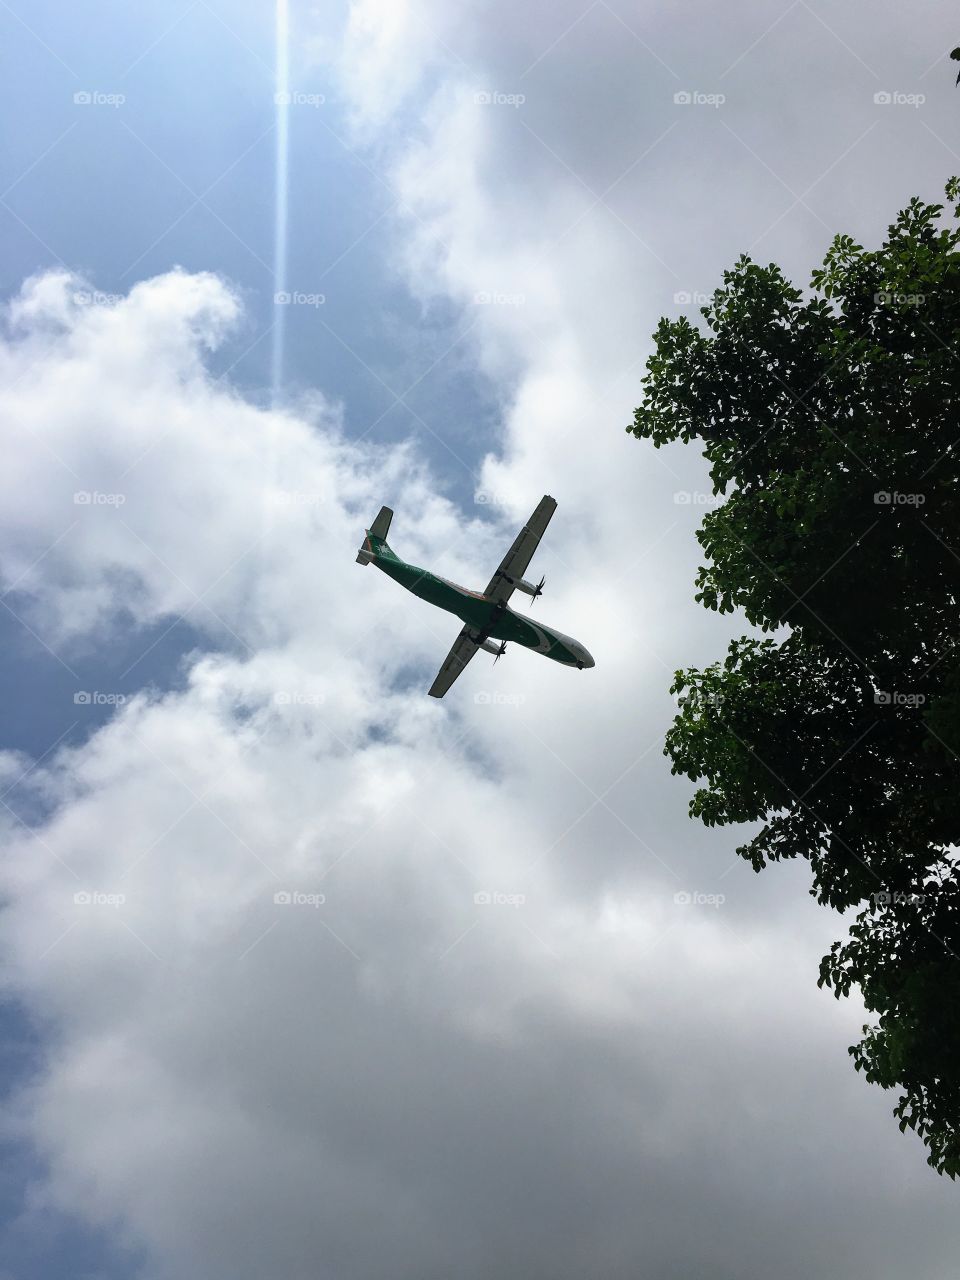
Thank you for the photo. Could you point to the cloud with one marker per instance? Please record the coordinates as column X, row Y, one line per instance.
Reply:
column 142, row 485
column 384, row 1066
column 579, row 1071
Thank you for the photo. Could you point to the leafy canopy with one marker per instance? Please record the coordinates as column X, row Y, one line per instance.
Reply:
column 830, row 422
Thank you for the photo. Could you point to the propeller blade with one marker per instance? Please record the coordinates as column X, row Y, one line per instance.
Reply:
column 537, row 592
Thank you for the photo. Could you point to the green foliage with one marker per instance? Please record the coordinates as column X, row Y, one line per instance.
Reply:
column 830, row 422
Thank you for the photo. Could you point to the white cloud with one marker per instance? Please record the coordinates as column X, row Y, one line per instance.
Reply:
column 251, row 1086
column 398, row 1080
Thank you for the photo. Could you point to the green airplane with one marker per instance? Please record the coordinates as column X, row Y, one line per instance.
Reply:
column 486, row 615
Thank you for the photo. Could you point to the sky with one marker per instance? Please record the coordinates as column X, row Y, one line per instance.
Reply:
column 306, row 974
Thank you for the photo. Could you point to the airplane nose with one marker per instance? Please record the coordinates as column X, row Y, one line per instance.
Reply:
column 584, row 659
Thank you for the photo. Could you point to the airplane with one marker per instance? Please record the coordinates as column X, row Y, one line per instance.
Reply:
column 486, row 615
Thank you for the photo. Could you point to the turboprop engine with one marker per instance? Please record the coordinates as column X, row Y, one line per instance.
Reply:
column 529, row 589
column 489, row 646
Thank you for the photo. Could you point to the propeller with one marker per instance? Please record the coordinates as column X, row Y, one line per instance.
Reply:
column 537, row 591
column 500, row 652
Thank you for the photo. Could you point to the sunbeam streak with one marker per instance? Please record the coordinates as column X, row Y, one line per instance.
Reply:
column 282, row 101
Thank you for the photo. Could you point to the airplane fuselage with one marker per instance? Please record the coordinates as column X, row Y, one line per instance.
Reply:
column 488, row 618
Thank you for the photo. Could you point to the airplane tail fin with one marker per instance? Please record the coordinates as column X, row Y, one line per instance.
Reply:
column 375, row 543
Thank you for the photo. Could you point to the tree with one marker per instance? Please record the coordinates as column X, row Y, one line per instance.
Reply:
column 830, row 422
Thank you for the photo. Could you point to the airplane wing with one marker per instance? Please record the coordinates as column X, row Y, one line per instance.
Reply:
column 464, row 647
column 514, row 563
